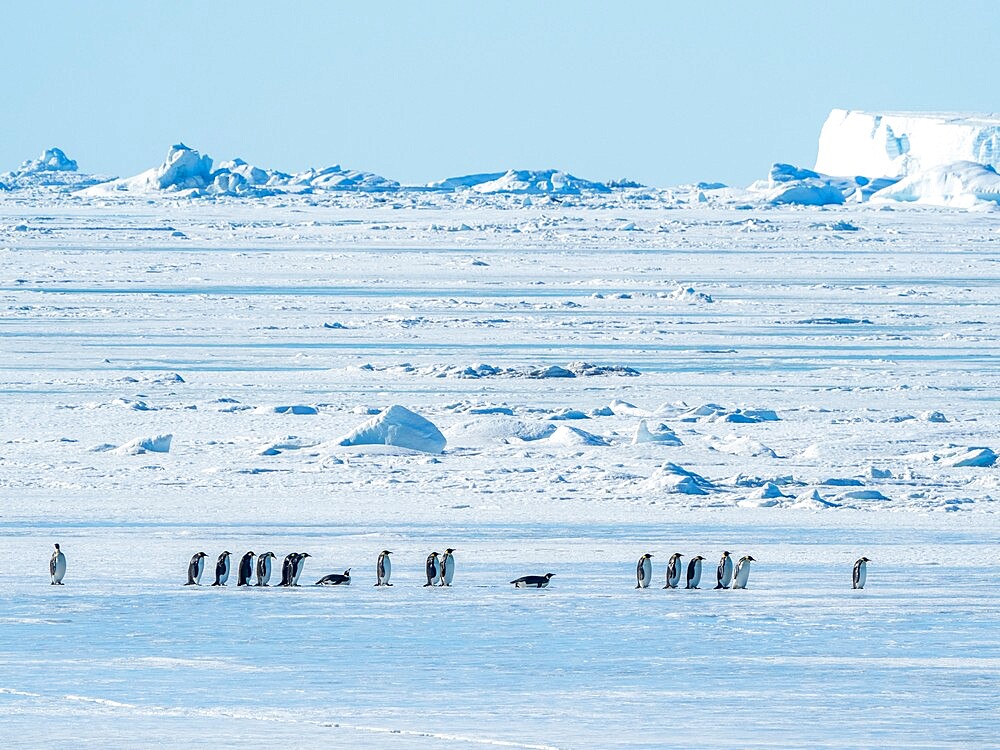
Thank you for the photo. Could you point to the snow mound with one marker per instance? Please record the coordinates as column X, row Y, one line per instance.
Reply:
column 486, row 430
column 812, row 501
column 536, row 182
column 862, row 495
column 788, row 184
column 662, row 435
column 958, row 456
column 959, row 185
column 767, row 496
column 338, row 178
column 52, row 160
column 187, row 172
column 896, row 144
column 400, row 427
column 625, row 409
column 52, row 170
column 155, row 444
column 184, row 169
column 572, row 437
column 690, row 294
column 465, row 182
column 676, row 479
column 933, row 416
column 299, row 409
column 717, row 413
column 743, row 446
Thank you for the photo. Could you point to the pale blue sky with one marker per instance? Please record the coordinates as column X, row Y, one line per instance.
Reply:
column 662, row 92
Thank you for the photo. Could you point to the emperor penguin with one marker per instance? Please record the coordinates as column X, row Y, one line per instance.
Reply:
column 644, row 571
column 244, row 573
column 336, row 579
column 195, row 568
column 300, row 564
column 384, row 568
column 264, row 568
column 447, row 562
column 533, row 582
column 694, row 573
column 724, row 574
column 222, row 570
column 288, row 569
column 57, row 567
column 858, row 579
column 674, row 569
column 433, row 569
column 742, row 574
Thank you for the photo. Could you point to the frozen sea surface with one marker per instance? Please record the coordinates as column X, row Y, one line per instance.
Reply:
column 875, row 348
column 116, row 657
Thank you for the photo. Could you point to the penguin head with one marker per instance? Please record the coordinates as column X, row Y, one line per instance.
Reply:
column 268, row 554
column 726, row 553
column 449, row 551
column 549, row 575
column 748, row 558
column 386, row 552
column 250, row 553
column 57, row 548
column 304, row 555
column 676, row 556
column 225, row 554
column 201, row 554
column 433, row 554
column 699, row 557
column 863, row 559
column 347, row 573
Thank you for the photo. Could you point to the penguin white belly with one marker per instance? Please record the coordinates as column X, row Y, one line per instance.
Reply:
column 386, row 570
column 742, row 576
column 675, row 579
column 199, row 569
column 266, row 578
column 646, row 576
column 436, row 572
column 862, row 575
column 696, row 575
column 225, row 573
column 727, row 572
column 448, row 572
column 60, row 568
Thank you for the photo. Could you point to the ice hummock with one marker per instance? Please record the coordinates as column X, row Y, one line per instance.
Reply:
column 400, row 427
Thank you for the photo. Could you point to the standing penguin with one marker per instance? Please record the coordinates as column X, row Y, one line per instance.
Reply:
column 724, row 574
column 742, row 574
column 384, row 568
column 222, row 570
column 57, row 567
column 694, row 573
column 195, row 568
column 857, row 580
column 245, row 570
column 264, row 568
column 433, row 569
column 298, row 567
column 336, row 579
column 644, row 571
column 447, row 562
column 674, row 569
column 288, row 569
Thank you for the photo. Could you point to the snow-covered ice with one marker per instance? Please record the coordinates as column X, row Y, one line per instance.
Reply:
column 180, row 367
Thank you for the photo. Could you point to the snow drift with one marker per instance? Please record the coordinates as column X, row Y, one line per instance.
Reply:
column 400, row 427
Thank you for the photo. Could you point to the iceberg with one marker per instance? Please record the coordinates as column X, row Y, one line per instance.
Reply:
column 897, row 144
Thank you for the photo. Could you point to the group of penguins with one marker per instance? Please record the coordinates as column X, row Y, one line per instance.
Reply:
column 440, row 571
